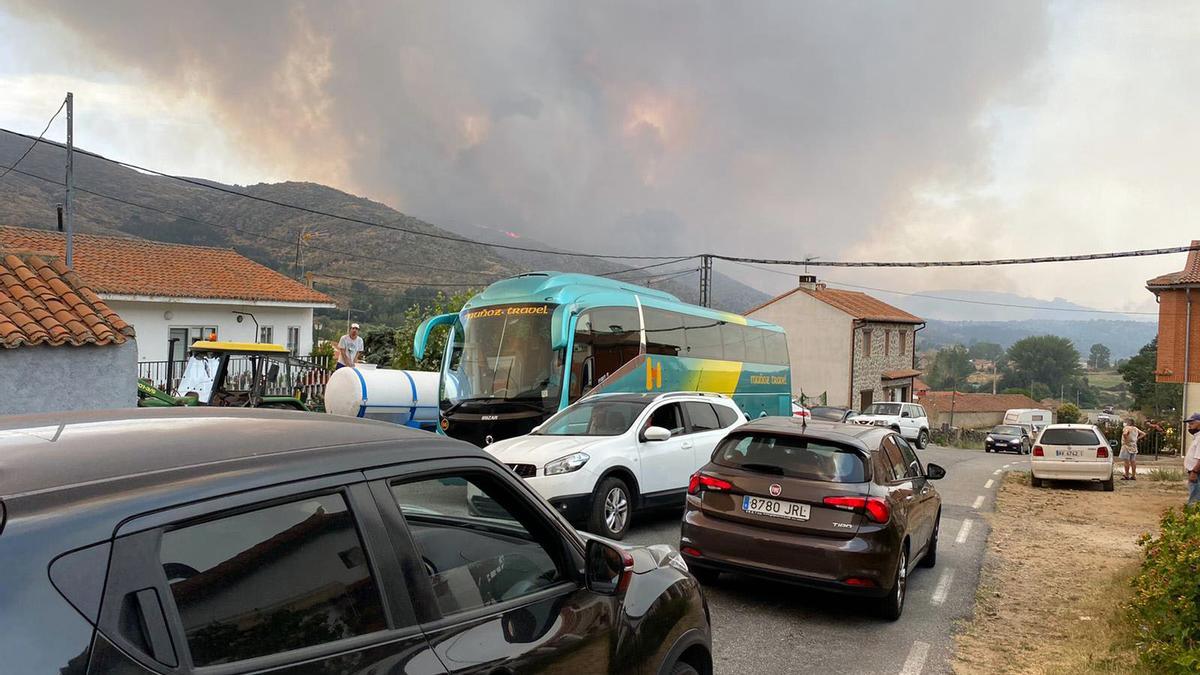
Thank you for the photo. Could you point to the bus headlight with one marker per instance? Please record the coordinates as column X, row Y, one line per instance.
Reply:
column 567, row 464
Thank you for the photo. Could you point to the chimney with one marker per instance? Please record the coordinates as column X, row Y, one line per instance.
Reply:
column 808, row 282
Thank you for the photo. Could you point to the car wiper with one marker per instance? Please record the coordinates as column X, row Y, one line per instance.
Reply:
column 762, row 468
column 454, row 406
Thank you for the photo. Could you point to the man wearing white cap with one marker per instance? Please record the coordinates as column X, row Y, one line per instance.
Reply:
column 349, row 348
column 1191, row 461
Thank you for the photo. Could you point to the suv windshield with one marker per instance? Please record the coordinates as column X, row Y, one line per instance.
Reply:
column 503, row 353
column 1062, row 436
column 793, row 457
column 593, row 418
column 883, row 409
column 1007, row 430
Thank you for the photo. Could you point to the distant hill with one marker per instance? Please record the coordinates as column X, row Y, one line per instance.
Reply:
column 959, row 305
column 401, row 267
column 1124, row 338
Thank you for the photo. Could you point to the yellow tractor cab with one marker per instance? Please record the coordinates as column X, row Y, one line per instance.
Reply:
column 242, row 374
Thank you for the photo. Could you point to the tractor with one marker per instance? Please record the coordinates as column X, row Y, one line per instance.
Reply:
column 240, row 374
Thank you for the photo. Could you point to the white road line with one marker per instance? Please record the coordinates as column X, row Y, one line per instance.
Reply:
column 964, row 531
column 943, row 588
column 997, row 472
column 988, row 485
column 915, row 662
column 978, row 502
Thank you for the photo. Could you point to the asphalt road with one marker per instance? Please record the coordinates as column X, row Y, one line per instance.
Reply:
column 763, row 627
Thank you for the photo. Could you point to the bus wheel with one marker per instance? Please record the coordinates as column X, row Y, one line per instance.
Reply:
column 611, row 509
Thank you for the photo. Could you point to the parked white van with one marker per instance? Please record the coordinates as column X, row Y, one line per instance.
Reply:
column 1033, row 419
column 1071, row 452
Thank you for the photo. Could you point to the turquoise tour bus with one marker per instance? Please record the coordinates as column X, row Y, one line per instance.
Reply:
column 528, row 346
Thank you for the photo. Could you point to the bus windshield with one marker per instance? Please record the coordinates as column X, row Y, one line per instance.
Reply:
column 503, row 353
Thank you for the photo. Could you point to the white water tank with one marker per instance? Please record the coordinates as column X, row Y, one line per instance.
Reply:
column 407, row 397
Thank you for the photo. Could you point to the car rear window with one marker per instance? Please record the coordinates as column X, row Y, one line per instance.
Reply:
column 1069, row 437
column 834, row 414
column 792, row 456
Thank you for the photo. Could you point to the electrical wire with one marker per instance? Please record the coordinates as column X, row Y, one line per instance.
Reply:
column 646, row 267
column 1110, row 255
column 322, row 275
column 36, row 140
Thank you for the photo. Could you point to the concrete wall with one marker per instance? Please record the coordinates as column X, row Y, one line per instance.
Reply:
column 818, row 344
column 52, row 379
column 153, row 329
column 971, row 420
column 869, row 369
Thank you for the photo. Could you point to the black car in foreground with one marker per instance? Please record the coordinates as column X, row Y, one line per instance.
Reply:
column 233, row 541
column 1008, row 438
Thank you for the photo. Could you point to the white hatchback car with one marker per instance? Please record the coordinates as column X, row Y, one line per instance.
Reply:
column 603, row 457
column 1071, row 452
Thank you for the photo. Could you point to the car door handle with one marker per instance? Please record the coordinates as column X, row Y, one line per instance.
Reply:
column 686, row 445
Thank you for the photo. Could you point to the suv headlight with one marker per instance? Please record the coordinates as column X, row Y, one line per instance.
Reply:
column 990, row 439
column 573, row 462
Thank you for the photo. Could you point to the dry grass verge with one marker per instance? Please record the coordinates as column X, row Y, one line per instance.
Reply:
column 1058, row 566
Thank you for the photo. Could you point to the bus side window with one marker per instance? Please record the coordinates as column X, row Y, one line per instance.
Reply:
column 755, row 349
column 664, row 333
column 776, row 348
column 606, row 338
column 704, row 338
column 734, row 338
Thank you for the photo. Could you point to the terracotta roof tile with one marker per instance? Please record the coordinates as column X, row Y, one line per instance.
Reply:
column 1189, row 275
column 967, row 402
column 127, row 266
column 45, row 303
column 856, row 304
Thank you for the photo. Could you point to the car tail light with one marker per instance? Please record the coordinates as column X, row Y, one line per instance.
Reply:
column 694, row 552
column 1038, row 452
column 875, row 508
column 1102, row 452
column 857, row 581
column 701, row 481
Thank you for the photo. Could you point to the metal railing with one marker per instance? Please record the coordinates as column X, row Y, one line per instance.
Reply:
column 305, row 377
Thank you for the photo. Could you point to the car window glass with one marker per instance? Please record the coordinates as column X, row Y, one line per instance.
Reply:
column 596, row 417
column 921, row 411
column 702, row 416
column 894, row 457
column 1062, row 436
column 476, row 541
column 912, row 463
column 669, row 417
column 271, row 580
column 793, row 457
column 726, row 415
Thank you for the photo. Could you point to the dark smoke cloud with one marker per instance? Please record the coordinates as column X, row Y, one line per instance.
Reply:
column 781, row 128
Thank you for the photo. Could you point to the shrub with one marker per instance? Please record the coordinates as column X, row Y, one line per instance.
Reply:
column 1165, row 606
column 1068, row 413
column 1163, row 474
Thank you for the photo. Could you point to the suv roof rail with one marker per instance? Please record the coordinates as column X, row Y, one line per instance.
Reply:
column 710, row 394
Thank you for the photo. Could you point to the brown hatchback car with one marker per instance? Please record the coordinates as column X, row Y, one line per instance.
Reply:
column 841, row 507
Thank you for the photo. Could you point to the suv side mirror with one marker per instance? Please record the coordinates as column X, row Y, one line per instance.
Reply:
column 656, row 434
column 905, row 414
column 608, row 568
column 934, row 472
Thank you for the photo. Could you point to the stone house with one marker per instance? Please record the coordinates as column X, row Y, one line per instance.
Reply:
column 1178, row 295
column 846, row 347
column 61, row 347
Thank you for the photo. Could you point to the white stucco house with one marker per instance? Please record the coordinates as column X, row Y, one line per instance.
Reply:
column 186, row 293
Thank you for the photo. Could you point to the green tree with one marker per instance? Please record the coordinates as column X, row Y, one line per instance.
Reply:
column 379, row 345
column 1046, row 360
column 1150, row 396
column 1068, row 413
column 989, row 351
column 1100, row 357
column 403, row 355
column 950, row 368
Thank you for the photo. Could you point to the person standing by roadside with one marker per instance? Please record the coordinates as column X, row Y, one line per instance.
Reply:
column 1129, row 449
column 349, row 348
column 1191, row 460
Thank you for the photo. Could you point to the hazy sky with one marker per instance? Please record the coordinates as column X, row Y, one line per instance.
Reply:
column 787, row 129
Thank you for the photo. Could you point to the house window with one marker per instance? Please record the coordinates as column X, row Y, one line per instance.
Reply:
column 866, row 343
column 887, row 343
column 266, row 334
column 186, row 335
column 293, row 339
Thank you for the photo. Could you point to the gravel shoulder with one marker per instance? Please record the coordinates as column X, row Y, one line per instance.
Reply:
column 1057, row 564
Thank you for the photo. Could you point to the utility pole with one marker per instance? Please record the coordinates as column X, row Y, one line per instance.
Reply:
column 706, row 280
column 993, row 378
column 70, row 198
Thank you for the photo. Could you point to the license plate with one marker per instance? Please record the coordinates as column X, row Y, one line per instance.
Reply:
column 1068, row 453
column 761, row 506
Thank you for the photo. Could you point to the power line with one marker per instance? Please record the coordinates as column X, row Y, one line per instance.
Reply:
column 321, row 275
column 646, row 267
column 36, row 140
column 965, row 263
column 351, row 219
column 234, row 228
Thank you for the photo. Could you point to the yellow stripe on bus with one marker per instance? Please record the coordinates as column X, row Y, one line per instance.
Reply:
column 719, row 377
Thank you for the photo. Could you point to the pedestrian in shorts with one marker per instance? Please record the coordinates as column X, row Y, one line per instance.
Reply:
column 1129, row 450
column 1191, row 461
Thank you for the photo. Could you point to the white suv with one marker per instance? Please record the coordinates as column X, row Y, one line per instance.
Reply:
column 1071, row 452
column 907, row 419
column 601, row 458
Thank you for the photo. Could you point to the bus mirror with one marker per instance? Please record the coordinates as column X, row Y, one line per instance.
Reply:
column 560, row 327
column 421, row 338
